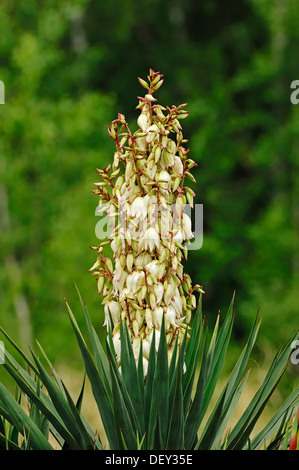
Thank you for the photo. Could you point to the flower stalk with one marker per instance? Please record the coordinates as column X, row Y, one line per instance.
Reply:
column 144, row 194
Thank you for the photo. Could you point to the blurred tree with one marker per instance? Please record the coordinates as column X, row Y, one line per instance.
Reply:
column 54, row 135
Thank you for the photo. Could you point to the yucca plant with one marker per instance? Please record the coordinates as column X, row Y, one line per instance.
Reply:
column 156, row 376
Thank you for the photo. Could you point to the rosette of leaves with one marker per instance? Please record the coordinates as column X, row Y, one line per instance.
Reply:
column 169, row 409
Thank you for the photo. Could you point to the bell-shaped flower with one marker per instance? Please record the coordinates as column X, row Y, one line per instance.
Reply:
column 163, row 180
column 159, row 292
column 170, row 317
column 116, row 343
column 114, row 309
column 187, row 227
column 143, row 259
column 153, row 267
column 176, row 303
column 143, row 121
column 158, row 315
column 151, row 240
column 152, row 133
column 134, row 281
column 139, row 207
column 178, row 167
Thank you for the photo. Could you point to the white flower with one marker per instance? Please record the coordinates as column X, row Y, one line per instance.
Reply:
column 158, row 291
column 134, row 281
column 158, row 315
column 116, row 343
column 150, row 240
column 123, row 294
column 149, row 318
column 115, row 310
column 136, row 346
column 152, row 208
column 143, row 121
column 152, row 133
column 157, row 338
column 151, row 169
column 146, row 345
column 169, row 291
column 178, row 165
column 153, row 267
column 143, row 259
column 139, row 207
column 145, row 366
column 113, row 245
column 141, row 142
column 179, row 237
column 177, row 304
column 164, row 179
column 118, row 281
column 187, row 227
column 107, row 321
column 170, row 318
column 118, row 268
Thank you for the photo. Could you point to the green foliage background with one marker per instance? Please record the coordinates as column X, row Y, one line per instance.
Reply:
column 69, row 67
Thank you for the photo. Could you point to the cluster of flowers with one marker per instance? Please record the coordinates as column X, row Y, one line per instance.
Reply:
column 145, row 204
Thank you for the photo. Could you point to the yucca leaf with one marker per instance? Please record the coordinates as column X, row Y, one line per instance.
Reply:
column 251, row 414
column 172, row 372
column 128, row 403
column 101, row 394
column 98, row 351
column 140, row 443
column 87, row 443
column 231, row 400
column 131, row 380
column 7, row 444
column 149, row 426
column 121, row 415
column 2, row 428
column 159, row 403
column 286, row 439
column 196, row 325
column 240, row 440
column 157, row 441
column 173, row 361
column 96, row 443
column 44, row 405
column 240, row 367
column 208, row 436
column 216, row 355
column 189, row 376
column 19, row 350
column 141, row 381
column 62, row 404
column 232, row 388
column 22, row 422
column 14, row 365
column 276, row 421
column 175, row 438
column 194, row 415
